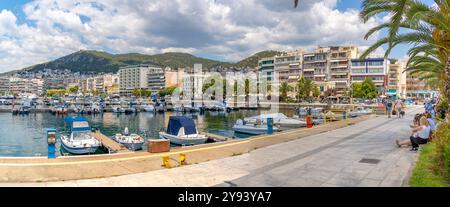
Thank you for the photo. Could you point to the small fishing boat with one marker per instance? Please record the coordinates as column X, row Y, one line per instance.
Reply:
column 80, row 140
column 182, row 131
column 251, row 129
column 131, row 141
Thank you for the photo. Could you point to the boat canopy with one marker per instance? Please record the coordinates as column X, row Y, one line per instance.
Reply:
column 178, row 122
column 78, row 124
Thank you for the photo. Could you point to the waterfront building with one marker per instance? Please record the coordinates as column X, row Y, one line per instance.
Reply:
column 266, row 68
column 316, row 67
column 193, row 83
column 289, row 66
column 396, row 85
column 374, row 68
column 417, row 88
column 133, row 77
column 16, row 86
column 156, row 79
column 174, row 78
column 339, row 71
column 4, row 86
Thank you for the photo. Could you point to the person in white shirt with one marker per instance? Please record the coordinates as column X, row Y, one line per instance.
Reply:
column 420, row 135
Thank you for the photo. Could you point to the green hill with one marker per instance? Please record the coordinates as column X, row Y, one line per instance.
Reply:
column 97, row 61
column 252, row 61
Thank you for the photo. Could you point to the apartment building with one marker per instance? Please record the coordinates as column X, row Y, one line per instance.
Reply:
column 266, row 68
column 316, row 67
column 396, row 86
column 132, row 77
column 16, row 86
column 4, row 85
column 156, row 79
column 374, row 68
column 418, row 89
column 339, row 66
column 289, row 66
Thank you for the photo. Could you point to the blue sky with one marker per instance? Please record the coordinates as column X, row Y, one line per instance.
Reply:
column 35, row 31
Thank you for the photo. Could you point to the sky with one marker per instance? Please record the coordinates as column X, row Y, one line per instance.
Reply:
column 37, row 31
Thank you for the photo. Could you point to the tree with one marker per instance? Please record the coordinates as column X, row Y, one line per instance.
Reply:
column 366, row 89
column 304, row 88
column 426, row 27
column 165, row 91
column 74, row 89
column 284, row 89
column 316, row 91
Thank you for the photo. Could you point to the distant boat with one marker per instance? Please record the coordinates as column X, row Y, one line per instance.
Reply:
column 251, row 129
column 80, row 140
column 182, row 131
column 149, row 108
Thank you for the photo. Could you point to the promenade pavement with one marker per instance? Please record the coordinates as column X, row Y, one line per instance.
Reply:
column 360, row 155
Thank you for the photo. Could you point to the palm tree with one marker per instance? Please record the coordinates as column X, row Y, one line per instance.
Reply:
column 425, row 27
column 284, row 89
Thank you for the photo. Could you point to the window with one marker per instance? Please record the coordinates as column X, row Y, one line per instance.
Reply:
column 358, row 70
column 376, row 70
column 377, row 63
column 358, row 64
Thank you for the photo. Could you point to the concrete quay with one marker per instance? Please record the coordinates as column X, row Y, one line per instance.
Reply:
column 39, row 170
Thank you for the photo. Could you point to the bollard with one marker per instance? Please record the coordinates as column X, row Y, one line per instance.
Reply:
column 324, row 119
column 166, row 161
column 51, row 141
column 308, row 122
column 269, row 125
column 182, row 159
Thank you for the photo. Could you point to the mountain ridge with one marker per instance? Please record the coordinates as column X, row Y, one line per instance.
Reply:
column 101, row 61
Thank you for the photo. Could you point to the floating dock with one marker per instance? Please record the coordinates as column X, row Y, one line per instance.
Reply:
column 110, row 144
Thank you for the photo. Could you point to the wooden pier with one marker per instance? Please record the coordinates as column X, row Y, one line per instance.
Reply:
column 108, row 143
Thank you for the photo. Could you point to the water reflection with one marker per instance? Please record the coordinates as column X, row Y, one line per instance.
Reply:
column 25, row 135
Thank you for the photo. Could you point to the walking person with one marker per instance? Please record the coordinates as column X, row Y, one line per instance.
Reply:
column 398, row 108
column 389, row 107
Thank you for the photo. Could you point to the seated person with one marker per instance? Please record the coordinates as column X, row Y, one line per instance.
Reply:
column 420, row 135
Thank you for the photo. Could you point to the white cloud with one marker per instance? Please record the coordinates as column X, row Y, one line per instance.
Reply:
column 232, row 29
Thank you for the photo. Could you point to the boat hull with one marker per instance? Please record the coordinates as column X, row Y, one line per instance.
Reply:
column 79, row 151
column 132, row 146
column 183, row 141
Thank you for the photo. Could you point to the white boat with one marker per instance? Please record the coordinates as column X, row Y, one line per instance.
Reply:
column 133, row 141
column 96, row 108
column 252, row 129
column 279, row 119
column 80, row 140
column 182, row 131
column 360, row 111
column 149, row 108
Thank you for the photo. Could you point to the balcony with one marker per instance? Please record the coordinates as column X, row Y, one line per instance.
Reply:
column 342, row 80
column 309, row 70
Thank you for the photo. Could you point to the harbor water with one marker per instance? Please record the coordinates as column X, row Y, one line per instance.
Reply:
column 24, row 136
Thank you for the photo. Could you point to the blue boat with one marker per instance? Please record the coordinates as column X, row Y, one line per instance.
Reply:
column 80, row 140
column 182, row 131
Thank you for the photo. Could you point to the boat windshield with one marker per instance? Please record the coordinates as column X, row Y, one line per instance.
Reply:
column 80, row 136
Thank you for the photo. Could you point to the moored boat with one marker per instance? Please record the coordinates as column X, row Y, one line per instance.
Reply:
column 251, row 129
column 131, row 141
column 182, row 131
column 80, row 140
